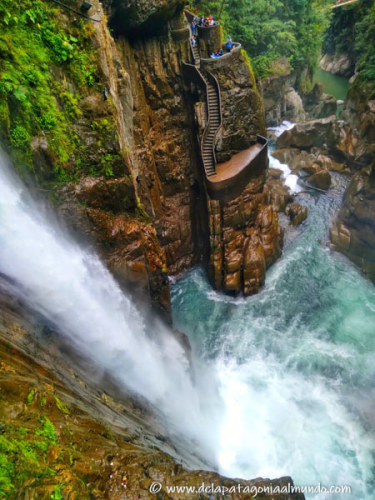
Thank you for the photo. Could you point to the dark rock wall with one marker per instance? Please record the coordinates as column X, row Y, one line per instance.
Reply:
column 242, row 108
column 353, row 233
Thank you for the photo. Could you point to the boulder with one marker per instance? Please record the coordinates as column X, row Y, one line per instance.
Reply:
column 294, row 110
column 321, row 179
column 274, row 173
column 277, row 195
column 297, row 213
column 307, row 134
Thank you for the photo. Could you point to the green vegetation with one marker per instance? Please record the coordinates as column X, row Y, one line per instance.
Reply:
column 61, row 406
column 270, row 29
column 352, row 31
column 33, row 456
column 30, row 396
column 35, row 47
column 23, row 455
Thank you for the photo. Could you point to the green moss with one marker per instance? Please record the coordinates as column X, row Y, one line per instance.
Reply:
column 23, row 457
column 62, row 406
column 34, row 43
column 57, row 492
column 48, row 431
column 30, row 397
column 245, row 59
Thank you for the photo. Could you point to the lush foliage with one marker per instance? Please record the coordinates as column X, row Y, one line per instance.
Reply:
column 23, row 455
column 35, row 454
column 270, row 29
column 352, row 31
column 35, row 46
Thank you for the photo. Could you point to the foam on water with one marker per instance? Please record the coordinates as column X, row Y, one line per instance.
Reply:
column 290, row 179
column 296, row 363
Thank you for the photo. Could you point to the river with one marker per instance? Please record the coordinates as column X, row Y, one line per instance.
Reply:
column 335, row 85
column 295, row 363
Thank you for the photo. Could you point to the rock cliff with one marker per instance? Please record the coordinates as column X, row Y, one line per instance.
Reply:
column 341, row 65
column 132, row 181
column 353, row 233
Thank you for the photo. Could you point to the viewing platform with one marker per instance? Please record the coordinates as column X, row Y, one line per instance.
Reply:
column 232, row 176
column 225, row 60
column 224, row 181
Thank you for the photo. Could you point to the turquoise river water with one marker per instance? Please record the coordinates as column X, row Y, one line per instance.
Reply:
column 294, row 364
column 335, row 85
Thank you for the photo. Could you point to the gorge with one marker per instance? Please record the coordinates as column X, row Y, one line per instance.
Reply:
column 187, row 253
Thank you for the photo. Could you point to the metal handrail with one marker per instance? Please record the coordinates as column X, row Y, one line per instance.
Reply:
column 236, row 47
column 213, row 77
column 77, row 11
column 216, row 83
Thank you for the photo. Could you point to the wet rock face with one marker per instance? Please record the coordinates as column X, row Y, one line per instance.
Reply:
column 245, row 239
column 242, row 109
column 95, row 210
column 319, row 105
column 353, row 233
column 165, row 153
column 140, row 17
column 69, row 429
column 273, row 90
column 341, row 65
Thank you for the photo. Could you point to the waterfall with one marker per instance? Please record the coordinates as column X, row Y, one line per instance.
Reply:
column 70, row 287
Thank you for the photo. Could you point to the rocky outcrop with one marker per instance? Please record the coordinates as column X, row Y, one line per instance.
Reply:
column 134, row 17
column 341, row 65
column 317, row 104
column 245, row 240
column 294, row 110
column 242, row 109
column 353, row 233
column 274, row 89
column 312, row 133
column 69, row 431
column 244, row 234
column 332, row 137
column 297, row 213
column 359, row 112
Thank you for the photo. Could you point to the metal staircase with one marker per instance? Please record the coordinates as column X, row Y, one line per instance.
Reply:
column 213, row 112
column 208, row 141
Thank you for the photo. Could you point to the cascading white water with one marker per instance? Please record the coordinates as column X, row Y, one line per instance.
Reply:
column 295, row 362
column 70, row 287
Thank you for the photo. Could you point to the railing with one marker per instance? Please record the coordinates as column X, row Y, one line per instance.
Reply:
column 342, row 4
column 80, row 13
column 230, row 187
column 226, row 57
column 215, row 83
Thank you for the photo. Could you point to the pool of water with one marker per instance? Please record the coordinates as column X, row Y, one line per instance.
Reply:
column 335, row 85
